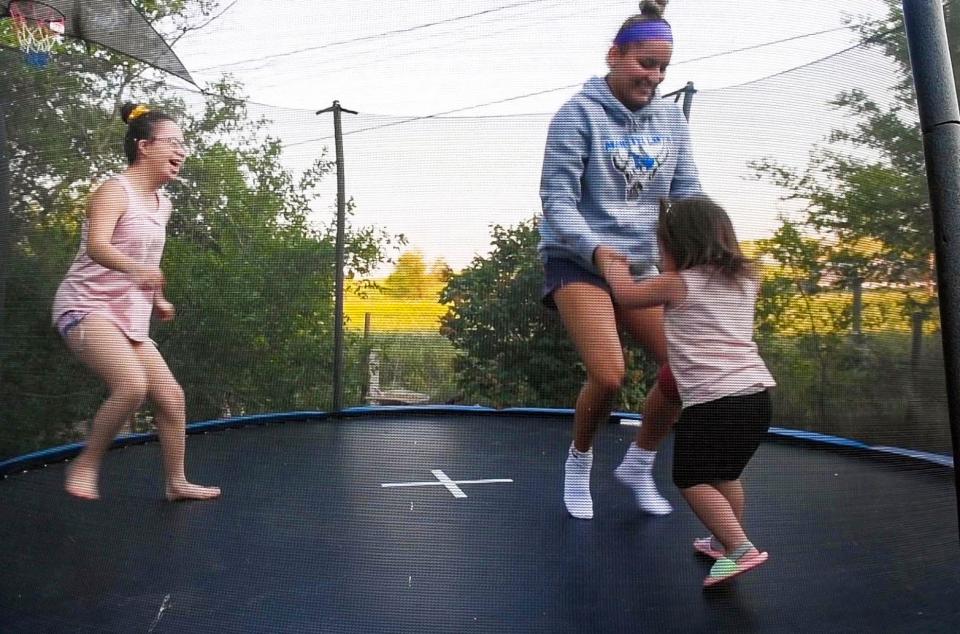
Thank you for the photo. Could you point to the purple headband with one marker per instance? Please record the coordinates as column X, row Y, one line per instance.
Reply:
column 644, row 31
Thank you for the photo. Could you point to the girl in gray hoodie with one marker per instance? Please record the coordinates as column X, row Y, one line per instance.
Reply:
column 613, row 151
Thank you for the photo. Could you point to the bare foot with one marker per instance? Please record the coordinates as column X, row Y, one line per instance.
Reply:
column 188, row 491
column 81, row 481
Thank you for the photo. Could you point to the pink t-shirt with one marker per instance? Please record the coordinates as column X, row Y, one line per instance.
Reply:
column 88, row 287
column 710, row 338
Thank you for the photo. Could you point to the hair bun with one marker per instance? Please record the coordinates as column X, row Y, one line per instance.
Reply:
column 131, row 111
column 125, row 111
column 653, row 8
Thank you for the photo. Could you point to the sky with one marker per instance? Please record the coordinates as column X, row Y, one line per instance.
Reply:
column 443, row 181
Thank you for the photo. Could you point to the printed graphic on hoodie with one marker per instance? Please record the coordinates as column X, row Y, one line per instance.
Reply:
column 638, row 157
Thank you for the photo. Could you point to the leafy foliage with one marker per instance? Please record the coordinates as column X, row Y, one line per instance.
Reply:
column 867, row 184
column 248, row 266
column 513, row 349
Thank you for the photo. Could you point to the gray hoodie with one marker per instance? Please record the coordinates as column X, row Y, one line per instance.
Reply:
column 605, row 170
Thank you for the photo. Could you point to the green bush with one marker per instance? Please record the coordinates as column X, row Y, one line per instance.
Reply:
column 865, row 388
column 513, row 351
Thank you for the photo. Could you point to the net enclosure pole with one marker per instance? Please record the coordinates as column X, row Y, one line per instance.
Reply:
column 5, row 223
column 337, row 109
column 940, row 124
column 688, row 92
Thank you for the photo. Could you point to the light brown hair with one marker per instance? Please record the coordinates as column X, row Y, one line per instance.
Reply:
column 696, row 232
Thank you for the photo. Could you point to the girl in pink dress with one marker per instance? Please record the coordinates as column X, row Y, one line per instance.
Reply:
column 708, row 290
column 102, row 308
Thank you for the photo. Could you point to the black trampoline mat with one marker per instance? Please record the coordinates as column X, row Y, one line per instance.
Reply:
column 307, row 539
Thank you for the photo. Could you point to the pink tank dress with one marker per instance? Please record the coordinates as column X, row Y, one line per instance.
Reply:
column 90, row 288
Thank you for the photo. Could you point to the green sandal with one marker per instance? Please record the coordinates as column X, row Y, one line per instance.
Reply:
column 726, row 568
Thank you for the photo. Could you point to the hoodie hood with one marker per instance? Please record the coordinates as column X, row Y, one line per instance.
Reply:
column 597, row 90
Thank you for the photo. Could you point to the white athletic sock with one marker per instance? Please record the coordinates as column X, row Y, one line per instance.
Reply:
column 576, row 483
column 644, row 456
column 636, row 471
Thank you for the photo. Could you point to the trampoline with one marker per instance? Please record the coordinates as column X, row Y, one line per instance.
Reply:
column 450, row 519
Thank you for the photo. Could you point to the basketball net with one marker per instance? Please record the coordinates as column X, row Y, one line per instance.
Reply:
column 38, row 27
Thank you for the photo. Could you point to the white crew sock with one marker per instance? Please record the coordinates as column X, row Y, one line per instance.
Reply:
column 576, row 483
column 636, row 471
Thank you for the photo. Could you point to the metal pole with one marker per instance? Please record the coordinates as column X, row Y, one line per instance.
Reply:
column 916, row 342
column 338, row 289
column 940, row 124
column 4, row 204
column 857, row 285
column 688, row 94
column 5, row 221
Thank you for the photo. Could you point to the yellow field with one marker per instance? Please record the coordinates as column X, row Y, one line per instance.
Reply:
column 882, row 312
column 394, row 314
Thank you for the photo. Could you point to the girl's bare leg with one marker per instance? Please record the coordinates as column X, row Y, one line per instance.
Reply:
column 659, row 414
column 645, row 326
column 589, row 318
column 102, row 347
column 715, row 510
column 167, row 397
column 733, row 491
column 717, row 514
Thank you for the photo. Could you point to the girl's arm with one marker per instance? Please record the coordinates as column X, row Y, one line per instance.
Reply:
column 106, row 206
column 666, row 288
column 164, row 309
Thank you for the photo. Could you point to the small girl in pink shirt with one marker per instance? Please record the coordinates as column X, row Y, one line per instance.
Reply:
column 103, row 306
column 708, row 290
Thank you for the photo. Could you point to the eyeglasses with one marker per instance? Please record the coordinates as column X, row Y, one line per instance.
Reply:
column 176, row 142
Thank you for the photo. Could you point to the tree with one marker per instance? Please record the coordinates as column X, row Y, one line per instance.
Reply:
column 440, row 271
column 409, row 278
column 868, row 182
column 251, row 273
column 514, row 351
column 866, row 218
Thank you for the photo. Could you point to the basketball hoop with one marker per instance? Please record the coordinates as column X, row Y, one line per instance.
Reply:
column 38, row 27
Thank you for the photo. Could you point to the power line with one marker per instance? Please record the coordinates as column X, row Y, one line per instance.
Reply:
column 378, row 35
column 775, row 42
column 695, row 59
column 395, row 55
column 872, row 40
column 428, row 116
column 569, row 86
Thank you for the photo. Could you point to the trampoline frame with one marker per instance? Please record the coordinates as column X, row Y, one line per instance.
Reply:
column 60, row 453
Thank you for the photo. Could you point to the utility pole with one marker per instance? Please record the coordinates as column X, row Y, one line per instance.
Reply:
column 336, row 109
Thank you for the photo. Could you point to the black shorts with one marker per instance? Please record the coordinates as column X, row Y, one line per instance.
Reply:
column 558, row 272
column 714, row 441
